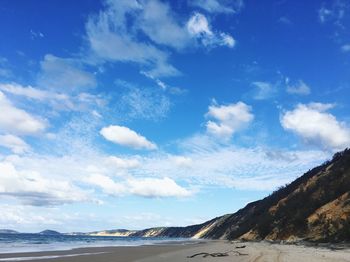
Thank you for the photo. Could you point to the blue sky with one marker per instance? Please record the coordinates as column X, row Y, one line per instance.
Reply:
column 133, row 114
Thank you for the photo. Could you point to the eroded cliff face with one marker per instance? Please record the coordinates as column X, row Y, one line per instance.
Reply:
column 315, row 207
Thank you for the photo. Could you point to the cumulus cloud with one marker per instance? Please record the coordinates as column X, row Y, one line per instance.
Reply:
column 315, row 125
column 17, row 120
column 14, row 143
column 198, row 26
column 298, row 88
column 126, row 137
column 228, row 119
column 64, row 74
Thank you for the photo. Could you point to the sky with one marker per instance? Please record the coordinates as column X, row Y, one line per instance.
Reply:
column 135, row 114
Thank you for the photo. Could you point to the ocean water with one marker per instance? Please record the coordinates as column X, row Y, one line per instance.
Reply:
column 16, row 243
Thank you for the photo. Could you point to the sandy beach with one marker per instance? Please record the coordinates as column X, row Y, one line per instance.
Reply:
column 206, row 251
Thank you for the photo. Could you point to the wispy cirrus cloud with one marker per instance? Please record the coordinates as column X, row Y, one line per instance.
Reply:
column 298, row 88
column 112, row 38
column 60, row 101
column 136, row 102
column 334, row 12
column 218, row 6
column 264, row 90
column 64, row 74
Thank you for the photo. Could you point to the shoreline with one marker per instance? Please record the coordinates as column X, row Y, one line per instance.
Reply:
column 68, row 246
column 211, row 250
column 116, row 253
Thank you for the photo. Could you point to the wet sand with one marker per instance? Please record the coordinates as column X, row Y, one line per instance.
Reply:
column 211, row 251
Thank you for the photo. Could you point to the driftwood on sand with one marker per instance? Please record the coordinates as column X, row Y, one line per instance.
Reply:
column 218, row 254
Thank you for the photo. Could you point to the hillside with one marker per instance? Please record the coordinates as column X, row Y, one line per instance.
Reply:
column 315, row 207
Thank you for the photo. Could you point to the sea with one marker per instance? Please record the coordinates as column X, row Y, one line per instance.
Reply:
column 18, row 243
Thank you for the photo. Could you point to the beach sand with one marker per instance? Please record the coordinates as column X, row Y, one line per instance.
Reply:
column 252, row 252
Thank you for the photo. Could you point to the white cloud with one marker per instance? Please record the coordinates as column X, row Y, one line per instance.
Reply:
column 106, row 184
column 213, row 164
column 144, row 187
column 227, row 40
column 118, row 33
column 157, row 187
column 16, row 216
column 59, row 101
column 198, row 26
column 182, row 161
column 35, row 35
column 264, row 90
column 299, row 88
column 333, row 11
column 158, row 23
column 146, row 103
column 123, row 163
column 324, row 14
column 346, row 48
column 64, row 74
column 34, row 189
column 17, row 120
column 5, row 72
column 219, row 6
column 14, row 143
column 315, row 125
column 111, row 39
column 228, row 119
column 126, row 137
column 31, row 92
column 204, row 163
